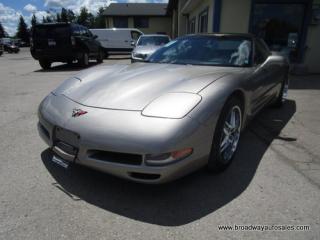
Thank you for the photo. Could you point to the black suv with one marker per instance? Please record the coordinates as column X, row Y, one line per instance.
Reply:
column 64, row 42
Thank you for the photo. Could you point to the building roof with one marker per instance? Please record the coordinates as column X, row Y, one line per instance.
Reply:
column 136, row 9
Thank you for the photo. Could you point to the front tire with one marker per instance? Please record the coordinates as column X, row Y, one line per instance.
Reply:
column 100, row 57
column 226, row 136
column 84, row 60
column 45, row 64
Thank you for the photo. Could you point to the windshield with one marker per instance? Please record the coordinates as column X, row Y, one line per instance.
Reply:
column 206, row 50
column 51, row 31
column 153, row 41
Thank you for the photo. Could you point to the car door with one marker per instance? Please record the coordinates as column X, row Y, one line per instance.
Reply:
column 261, row 78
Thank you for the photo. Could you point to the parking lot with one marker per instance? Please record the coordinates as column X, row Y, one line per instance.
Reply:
column 274, row 179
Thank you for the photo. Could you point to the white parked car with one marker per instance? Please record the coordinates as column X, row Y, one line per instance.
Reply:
column 148, row 44
column 117, row 39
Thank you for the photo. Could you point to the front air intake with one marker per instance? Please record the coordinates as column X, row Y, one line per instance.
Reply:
column 116, row 157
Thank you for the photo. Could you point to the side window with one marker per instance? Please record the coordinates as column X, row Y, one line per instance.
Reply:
column 260, row 53
column 135, row 35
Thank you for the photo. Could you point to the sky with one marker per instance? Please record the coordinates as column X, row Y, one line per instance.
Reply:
column 10, row 10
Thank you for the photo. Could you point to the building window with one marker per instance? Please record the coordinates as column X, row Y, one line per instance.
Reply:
column 192, row 25
column 120, row 22
column 281, row 27
column 203, row 21
column 141, row 22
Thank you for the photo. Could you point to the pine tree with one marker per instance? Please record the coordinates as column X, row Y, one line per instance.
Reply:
column 2, row 32
column 22, row 31
column 84, row 17
column 100, row 19
column 34, row 20
column 44, row 20
column 58, row 17
column 71, row 16
column 49, row 19
column 64, row 15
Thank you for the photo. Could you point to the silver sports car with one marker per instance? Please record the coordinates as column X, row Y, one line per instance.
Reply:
column 155, row 121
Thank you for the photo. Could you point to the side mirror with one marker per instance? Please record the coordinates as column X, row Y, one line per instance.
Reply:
column 95, row 36
column 133, row 43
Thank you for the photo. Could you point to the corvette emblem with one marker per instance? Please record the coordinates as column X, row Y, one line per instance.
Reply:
column 78, row 112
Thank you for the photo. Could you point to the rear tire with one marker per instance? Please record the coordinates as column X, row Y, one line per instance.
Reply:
column 45, row 64
column 84, row 60
column 282, row 96
column 226, row 136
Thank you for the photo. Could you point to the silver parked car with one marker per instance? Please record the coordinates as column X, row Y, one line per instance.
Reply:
column 155, row 121
column 148, row 44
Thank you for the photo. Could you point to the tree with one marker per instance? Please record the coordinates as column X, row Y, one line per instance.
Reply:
column 2, row 32
column 22, row 31
column 83, row 17
column 100, row 19
column 44, row 20
column 64, row 15
column 58, row 17
column 34, row 20
column 49, row 19
column 71, row 16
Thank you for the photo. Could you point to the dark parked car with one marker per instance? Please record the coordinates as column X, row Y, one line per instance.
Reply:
column 9, row 45
column 11, row 48
column 64, row 42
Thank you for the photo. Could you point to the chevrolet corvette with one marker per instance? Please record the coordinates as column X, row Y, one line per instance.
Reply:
column 155, row 121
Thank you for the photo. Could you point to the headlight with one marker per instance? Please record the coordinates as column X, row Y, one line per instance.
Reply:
column 172, row 105
column 139, row 55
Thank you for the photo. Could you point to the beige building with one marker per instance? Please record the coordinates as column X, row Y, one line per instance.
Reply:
column 149, row 18
column 289, row 26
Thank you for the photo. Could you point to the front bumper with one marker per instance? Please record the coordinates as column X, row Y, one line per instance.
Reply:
column 127, row 134
column 139, row 57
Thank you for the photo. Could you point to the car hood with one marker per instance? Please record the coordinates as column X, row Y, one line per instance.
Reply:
column 146, row 49
column 132, row 87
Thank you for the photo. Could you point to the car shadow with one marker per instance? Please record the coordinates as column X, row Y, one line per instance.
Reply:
column 305, row 82
column 185, row 200
column 67, row 67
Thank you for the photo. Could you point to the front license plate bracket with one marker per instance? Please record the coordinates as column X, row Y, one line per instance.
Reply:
column 59, row 161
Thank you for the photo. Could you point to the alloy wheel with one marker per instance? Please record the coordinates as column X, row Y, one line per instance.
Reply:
column 230, row 134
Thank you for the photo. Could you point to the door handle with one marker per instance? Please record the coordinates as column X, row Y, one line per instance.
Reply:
column 126, row 41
